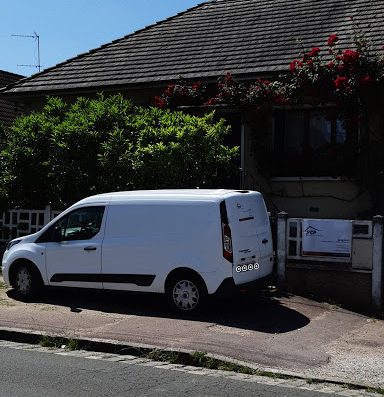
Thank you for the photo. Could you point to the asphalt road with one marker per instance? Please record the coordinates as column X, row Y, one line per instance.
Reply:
column 41, row 374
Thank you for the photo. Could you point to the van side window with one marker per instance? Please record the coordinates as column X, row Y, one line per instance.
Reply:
column 80, row 224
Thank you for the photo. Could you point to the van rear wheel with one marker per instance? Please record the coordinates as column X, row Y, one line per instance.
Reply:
column 186, row 293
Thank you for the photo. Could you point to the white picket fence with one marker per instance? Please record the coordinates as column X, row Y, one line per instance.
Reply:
column 20, row 222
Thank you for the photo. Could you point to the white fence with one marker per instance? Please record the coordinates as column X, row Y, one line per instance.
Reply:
column 20, row 222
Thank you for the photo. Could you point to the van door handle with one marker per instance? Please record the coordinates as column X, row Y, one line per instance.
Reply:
column 90, row 249
column 265, row 241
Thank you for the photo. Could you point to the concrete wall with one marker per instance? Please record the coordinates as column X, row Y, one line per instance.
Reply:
column 321, row 198
column 331, row 284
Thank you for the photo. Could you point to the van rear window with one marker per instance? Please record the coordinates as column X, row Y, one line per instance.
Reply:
column 223, row 213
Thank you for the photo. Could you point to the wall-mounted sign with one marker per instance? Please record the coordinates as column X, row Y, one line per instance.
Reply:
column 326, row 238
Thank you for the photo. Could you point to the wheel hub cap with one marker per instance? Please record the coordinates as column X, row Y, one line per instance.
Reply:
column 23, row 280
column 185, row 295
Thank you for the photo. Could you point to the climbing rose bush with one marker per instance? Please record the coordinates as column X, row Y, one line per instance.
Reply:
column 326, row 73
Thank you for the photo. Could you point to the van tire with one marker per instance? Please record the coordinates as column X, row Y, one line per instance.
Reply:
column 26, row 280
column 186, row 292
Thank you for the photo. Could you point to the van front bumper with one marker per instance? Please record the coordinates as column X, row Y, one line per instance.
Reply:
column 5, row 275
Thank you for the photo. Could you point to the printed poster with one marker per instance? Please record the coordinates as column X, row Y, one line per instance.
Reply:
column 326, row 238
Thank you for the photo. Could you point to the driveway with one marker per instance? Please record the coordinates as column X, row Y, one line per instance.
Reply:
column 285, row 333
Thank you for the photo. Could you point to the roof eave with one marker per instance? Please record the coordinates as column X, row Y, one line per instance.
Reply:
column 82, row 90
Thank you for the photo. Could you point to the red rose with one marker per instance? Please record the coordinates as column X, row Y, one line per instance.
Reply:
column 330, row 65
column 350, row 56
column 197, row 85
column 263, row 82
column 315, row 51
column 170, row 90
column 294, row 65
column 341, row 82
column 310, row 62
column 332, row 39
column 159, row 102
column 211, row 101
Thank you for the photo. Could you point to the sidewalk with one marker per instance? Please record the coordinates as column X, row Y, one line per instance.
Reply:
column 288, row 334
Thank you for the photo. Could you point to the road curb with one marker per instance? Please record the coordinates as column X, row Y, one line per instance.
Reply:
column 139, row 350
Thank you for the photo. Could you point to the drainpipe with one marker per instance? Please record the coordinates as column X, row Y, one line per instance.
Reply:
column 282, row 248
column 242, row 154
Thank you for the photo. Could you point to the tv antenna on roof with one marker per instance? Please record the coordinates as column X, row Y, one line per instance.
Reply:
column 37, row 39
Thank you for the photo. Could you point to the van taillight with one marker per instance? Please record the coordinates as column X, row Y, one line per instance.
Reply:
column 227, row 243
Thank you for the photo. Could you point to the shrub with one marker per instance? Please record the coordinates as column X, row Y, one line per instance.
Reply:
column 66, row 152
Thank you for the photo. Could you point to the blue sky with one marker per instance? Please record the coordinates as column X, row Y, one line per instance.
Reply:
column 70, row 27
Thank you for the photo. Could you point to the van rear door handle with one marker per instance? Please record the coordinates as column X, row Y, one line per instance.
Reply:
column 265, row 241
column 90, row 249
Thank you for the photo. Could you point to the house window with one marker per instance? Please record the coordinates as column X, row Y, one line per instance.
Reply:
column 312, row 142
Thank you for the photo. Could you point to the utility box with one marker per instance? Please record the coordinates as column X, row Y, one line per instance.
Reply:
column 362, row 254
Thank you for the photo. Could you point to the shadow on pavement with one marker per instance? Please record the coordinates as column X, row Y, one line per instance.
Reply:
column 256, row 311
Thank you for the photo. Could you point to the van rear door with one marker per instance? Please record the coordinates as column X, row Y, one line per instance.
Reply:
column 251, row 236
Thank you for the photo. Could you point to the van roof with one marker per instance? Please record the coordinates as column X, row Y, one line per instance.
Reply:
column 165, row 195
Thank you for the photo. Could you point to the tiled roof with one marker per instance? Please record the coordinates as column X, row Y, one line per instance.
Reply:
column 245, row 37
column 8, row 110
column 8, row 78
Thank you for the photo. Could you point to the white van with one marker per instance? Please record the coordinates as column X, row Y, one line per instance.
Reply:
column 185, row 243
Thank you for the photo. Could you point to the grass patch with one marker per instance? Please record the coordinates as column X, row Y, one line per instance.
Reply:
column 2, row 285
column 201, row 359
column 56, row 342
column 197, row 359
column 378, row 390
column 311, row 381
column 6, row 302
column 163, row 356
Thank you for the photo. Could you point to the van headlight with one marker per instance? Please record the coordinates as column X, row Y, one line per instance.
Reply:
column 11, row 244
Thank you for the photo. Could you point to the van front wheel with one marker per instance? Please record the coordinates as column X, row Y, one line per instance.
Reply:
column 26, row 281
column 186, row 293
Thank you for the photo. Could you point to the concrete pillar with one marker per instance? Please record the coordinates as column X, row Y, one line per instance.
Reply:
column 281, row 247
column 47, row 214
column 377, row 266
